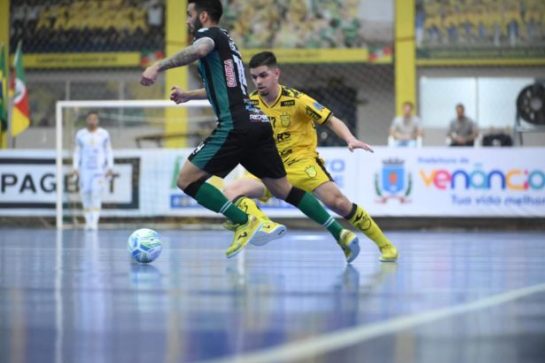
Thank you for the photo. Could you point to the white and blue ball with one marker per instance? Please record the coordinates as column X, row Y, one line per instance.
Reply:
column 145, row 245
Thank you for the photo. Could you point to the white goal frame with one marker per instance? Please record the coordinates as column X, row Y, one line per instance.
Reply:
column 62, row 105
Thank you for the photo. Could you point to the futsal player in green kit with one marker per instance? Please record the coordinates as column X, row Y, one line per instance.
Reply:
column 243, row 136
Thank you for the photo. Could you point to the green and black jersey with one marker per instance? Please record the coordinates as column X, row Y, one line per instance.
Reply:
column 224, row 79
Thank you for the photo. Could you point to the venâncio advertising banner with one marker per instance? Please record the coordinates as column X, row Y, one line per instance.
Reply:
column 434, row 182
column 454, row 182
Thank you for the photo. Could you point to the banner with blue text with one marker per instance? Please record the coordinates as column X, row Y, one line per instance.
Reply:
column 433, row 182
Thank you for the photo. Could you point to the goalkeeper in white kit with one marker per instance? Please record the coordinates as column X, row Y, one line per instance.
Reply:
column 93, row 163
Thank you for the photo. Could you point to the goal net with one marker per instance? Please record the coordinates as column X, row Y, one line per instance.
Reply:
column 150, row 141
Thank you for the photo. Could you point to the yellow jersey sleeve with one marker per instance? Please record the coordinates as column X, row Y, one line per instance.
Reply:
column 311, row 110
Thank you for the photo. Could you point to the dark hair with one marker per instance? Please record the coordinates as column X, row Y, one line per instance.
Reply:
column 212, row 7
column 263, row 59
column 91, row 112
column 461, row 105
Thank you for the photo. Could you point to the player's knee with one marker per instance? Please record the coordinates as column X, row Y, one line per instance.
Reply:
column 183, row 182
column 344, row 206
column 339, row 203
column 190, row 187
column 231, row 191
column 279, row 188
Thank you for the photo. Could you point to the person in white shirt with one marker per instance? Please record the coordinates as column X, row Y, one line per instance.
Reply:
column 93, row 163
column 406, row 130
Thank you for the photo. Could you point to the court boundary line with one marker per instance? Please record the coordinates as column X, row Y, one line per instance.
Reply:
column 322, row 344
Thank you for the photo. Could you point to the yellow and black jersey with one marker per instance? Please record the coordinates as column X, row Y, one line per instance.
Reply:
column 293, row 116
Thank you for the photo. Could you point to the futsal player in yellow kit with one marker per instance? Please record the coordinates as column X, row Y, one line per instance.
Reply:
column 293, row 115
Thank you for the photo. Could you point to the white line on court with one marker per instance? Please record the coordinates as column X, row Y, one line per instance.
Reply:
column 344, row 338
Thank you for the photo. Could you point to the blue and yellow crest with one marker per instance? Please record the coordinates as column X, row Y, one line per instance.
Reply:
column 394, row 182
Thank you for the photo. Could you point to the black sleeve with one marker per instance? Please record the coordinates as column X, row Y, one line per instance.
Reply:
column 212, row 33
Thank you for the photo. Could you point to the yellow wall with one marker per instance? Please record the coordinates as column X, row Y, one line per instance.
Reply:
column 176, row 39
column 405, row 53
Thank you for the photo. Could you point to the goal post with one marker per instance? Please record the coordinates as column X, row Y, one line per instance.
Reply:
column 65, row 129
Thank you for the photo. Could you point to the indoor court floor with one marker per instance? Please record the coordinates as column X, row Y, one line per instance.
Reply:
column 75, row 296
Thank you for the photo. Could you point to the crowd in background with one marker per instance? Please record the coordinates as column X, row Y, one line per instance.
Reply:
column 294, row 23
column 121, row 25
column 88, row 25
column 480, row 22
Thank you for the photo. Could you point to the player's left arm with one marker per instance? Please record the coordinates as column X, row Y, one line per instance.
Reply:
column 199, row 49
column 109, row 156
column 341, row 130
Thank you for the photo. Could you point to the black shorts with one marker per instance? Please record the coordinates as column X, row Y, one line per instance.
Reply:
column 253, row 147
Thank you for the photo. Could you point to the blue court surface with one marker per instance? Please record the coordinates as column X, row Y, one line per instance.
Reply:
column 460, row 296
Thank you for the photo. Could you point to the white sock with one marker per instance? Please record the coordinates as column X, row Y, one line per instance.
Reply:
column 95, row 216
column 86, row 201
column 88, row 218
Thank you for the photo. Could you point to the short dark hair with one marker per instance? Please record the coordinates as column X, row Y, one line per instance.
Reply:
column 91, row 112
column 461, row 105
column 263, row 59
column 212, row 7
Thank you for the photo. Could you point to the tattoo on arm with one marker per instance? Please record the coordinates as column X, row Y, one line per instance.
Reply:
column 188, row 55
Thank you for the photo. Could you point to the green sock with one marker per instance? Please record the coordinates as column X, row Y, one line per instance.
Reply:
column 314, row 210
column 210, row 197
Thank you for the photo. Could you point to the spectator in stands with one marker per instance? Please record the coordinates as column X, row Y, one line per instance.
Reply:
column 155, row 17
column 406, row 130
column 462, row 130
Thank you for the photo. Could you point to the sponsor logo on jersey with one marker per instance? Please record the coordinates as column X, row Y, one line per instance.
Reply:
column 315, row 116
column 285, row 153
column 258, row 117
column 283, row 136
column 230, row 73
column 198, row 148
column 287, row 103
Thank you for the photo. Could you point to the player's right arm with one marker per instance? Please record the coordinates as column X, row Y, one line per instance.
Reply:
column 341, row 130
column 199, row 49
column 178, row 95
column 312, row 111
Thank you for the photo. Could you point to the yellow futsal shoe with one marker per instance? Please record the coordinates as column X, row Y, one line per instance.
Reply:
column 269, row 232
column 388, row 253
column 244, row 233
column 349, row 243
column 230, row 226
column 248, row 206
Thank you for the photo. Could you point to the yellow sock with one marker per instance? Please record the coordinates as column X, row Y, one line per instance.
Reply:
column 363, row 221
column 250, row 207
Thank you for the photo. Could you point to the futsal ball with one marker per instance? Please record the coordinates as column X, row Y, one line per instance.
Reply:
column 145, row 245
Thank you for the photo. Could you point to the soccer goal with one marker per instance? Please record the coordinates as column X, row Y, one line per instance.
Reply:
column 150, row 140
